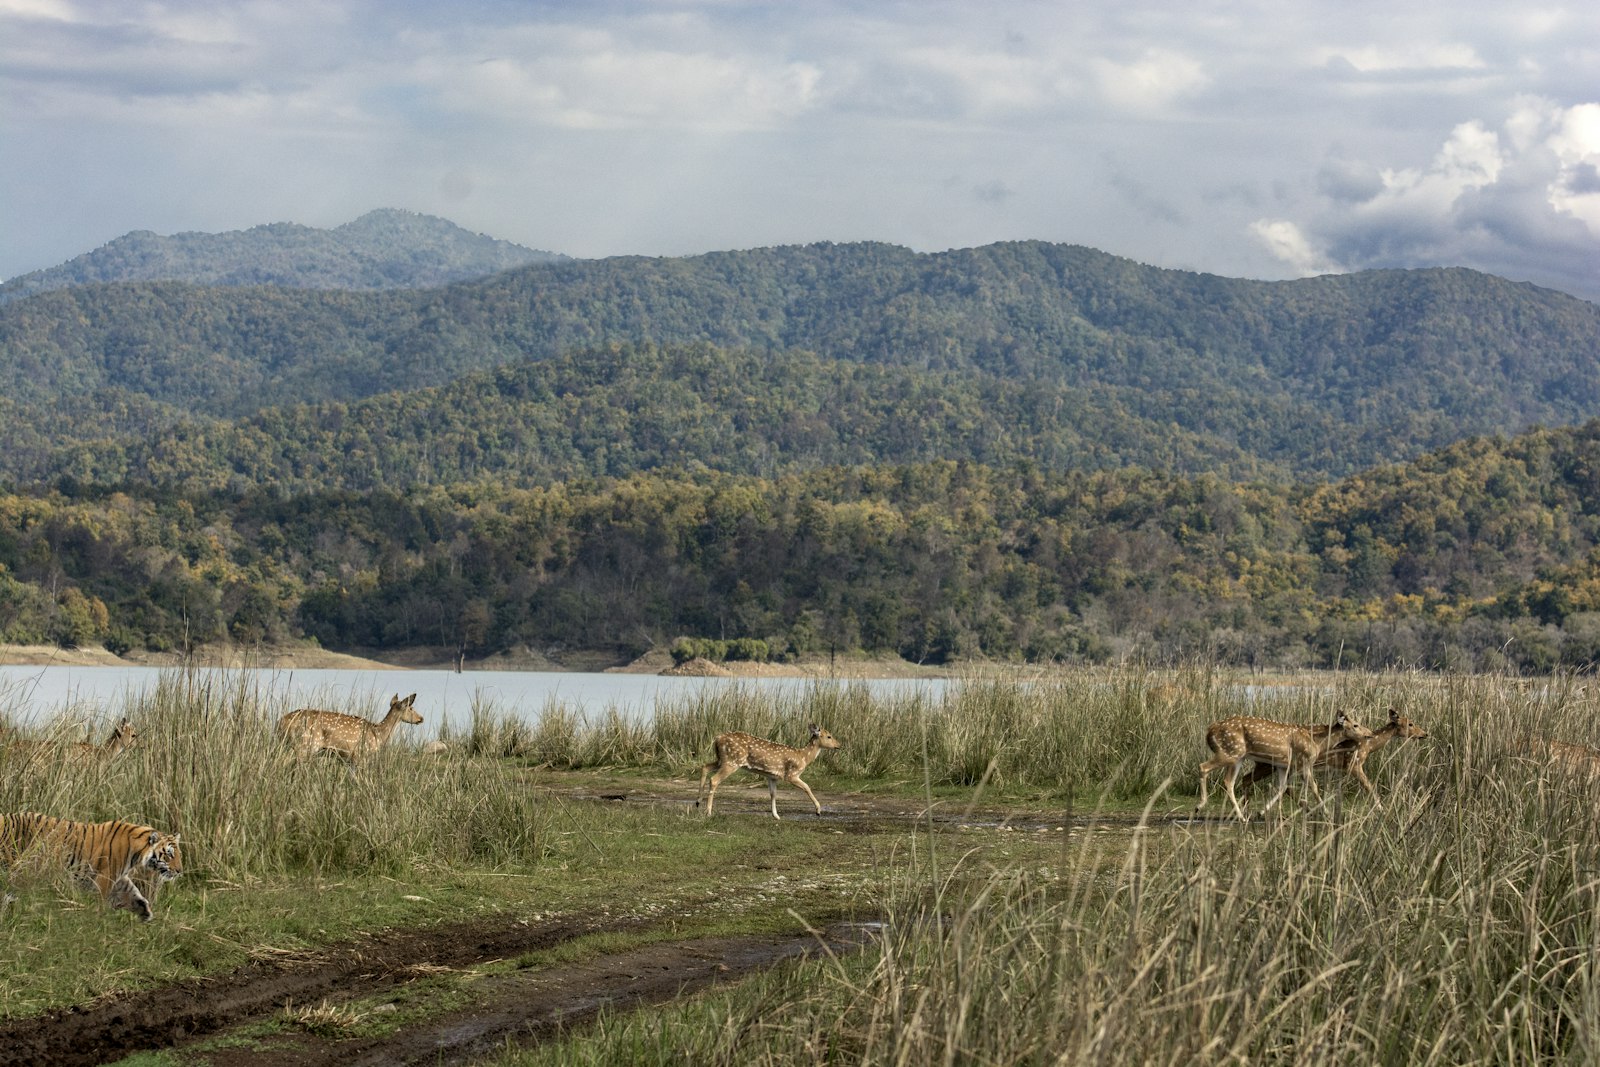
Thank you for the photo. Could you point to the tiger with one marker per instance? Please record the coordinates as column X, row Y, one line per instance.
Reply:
column 104, row 855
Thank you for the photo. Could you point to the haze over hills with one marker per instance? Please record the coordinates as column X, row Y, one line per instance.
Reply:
column 1311, row 378
column 383, row 249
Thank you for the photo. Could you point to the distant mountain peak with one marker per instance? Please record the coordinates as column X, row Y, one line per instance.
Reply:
column 388, row 248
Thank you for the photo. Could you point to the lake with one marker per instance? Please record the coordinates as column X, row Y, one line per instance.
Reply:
column 35, row 695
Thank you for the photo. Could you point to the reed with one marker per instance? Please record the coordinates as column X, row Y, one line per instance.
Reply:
column 208, row 766
column 1458, row 924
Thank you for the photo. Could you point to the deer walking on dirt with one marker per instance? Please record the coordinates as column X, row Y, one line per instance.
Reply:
column 350, row 737
column 741, row 751
column 1351, row 757
column 1285, row 746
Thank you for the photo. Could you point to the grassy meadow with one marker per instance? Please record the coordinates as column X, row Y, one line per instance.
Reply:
column 1457, row 923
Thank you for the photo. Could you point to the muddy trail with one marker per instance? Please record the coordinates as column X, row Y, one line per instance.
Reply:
column 849, row 812
column 521, row 1006
column 515, row 1003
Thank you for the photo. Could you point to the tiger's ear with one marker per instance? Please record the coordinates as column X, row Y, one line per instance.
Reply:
column 155, row 836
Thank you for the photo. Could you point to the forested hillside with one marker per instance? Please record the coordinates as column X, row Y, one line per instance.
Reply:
column 1485, row 555
column 1321, row 376
column 627, row 408
column 386, row 249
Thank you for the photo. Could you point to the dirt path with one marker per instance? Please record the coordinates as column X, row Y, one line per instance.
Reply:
column 848, row 811
column 520, row 1006
column 107, row 1029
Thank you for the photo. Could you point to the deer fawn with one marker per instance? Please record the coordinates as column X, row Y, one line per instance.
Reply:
column 735, row 751
column 348, row 736
column 1351, row 757
column 122, row 737
column 1285, row 746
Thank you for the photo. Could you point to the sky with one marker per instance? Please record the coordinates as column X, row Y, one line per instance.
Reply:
column 1260, row 140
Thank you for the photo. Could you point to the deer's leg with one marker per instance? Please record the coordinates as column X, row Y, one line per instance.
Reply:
column 1215, row 763
column 705, row 772
column 772, row 791
column 716, row 780
column 1308, row 768
column 795, row 778
column 1257, row 772
column 1283, row 787
column 1358, row 768
column 1228, row 777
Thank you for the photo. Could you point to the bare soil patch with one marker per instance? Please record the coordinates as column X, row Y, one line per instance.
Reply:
column 745, row 796
column 116, row 1026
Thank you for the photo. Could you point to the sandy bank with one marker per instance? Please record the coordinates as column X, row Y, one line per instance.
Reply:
column 308, row 657
column 295, row 658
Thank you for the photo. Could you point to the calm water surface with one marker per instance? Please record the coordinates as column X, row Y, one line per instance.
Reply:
column 35, row 695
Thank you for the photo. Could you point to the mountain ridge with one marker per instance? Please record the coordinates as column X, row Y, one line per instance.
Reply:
column 385, row 248
column 1315, row 377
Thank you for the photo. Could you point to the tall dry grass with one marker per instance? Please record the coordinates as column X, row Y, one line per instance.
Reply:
column 1457, row 924
column 208, row 766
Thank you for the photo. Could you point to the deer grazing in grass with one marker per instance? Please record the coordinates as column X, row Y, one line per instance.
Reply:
column 1582, row 760
column 1351, row 756
column 122, row 737
column 349, row 737
column 1285, row 746
column 81, row 752
column 736, row 751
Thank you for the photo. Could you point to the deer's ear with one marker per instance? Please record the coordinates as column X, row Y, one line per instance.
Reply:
column 1394, row 714
column 815, row 729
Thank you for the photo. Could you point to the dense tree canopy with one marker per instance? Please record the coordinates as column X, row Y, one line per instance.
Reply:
column 1486, row 554
column 1319, row 376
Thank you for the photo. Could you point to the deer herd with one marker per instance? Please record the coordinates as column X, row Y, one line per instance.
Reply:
column 1276, row 748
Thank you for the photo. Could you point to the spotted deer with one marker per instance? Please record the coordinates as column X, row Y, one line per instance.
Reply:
column 1351, row 756
column 1285, row 746
column 736, row 751
column 350, row 737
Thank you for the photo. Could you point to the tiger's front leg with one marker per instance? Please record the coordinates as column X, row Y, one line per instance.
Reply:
column 125, row 895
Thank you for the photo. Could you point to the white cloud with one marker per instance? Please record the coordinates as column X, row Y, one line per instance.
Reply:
column 1154, row 81
column 1523, row 201
column 1576, row 143
column 58, row 10
column 1285, row 241
column 1407, row 56
column 1234, row 136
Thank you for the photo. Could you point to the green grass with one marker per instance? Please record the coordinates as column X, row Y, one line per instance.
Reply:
column 1459, row 923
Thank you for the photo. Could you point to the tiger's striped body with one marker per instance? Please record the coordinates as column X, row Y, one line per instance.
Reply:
column 110, row 856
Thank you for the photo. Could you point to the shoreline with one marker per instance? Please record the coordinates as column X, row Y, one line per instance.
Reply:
column 656, row 662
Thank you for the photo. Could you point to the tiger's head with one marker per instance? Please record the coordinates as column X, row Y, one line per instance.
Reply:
column 162, row 856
